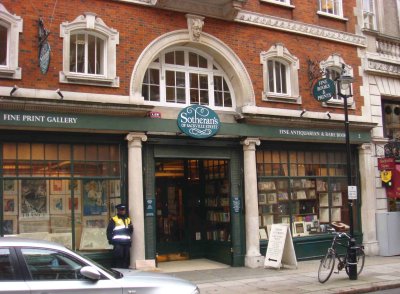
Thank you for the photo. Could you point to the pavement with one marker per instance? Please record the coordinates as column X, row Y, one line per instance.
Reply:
column 379, row 273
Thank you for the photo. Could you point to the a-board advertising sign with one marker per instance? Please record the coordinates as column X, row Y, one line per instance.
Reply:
column 280, row 248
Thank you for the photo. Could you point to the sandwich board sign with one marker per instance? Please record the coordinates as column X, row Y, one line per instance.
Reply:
column 280, row 249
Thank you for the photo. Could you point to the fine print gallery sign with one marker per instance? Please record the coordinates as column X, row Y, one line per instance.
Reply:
column 324, row 89
column 198, row 121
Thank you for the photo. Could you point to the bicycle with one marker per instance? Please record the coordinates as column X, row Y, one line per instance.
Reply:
column 328, row 261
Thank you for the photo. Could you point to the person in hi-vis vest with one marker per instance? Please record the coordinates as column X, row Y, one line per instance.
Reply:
column 119, row 234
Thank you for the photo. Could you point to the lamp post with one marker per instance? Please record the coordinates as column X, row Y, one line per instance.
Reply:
column 344, row 91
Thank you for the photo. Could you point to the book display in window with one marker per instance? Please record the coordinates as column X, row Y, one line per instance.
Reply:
column 217, row 202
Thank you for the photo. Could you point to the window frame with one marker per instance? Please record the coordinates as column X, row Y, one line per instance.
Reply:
column 281, row 54
column 14, row 25
column 325, row 12
column 212, row 70
column 90, row 24
column 286, row 3
column 335, row 62
column 370, row 13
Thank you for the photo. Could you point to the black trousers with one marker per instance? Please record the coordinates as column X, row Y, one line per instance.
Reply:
column 122, row 254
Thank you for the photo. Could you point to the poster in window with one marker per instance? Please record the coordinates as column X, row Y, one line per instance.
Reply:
column 10, row 225
column 323, row 199
column 272, row 198
column 299, row 229
column 336, row 214
column 10, row 187
column 324, row 215
column 113, row 203
column 321, row 186
column 57, row 187
column 337, row 199
column 57, row 204
column 61, row 238
column 94, row 239
column 34, row 204
column 95, row 222
column 76, row 184
column 10, row 205
column 262, row 198
column 77, row 205
column 263, row 233
column 94, row 197
column 34, row 226
column 115, row 189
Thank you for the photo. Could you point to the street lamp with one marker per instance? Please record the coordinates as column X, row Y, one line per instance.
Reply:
column 344, row 91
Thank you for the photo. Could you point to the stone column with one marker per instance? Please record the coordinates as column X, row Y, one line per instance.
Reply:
column 253, row 257
column 368, row 208
column 135, row 195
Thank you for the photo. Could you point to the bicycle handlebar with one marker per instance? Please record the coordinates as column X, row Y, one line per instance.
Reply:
column 339, row 234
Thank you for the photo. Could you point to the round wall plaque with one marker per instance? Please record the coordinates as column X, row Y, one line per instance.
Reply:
column 198, row 121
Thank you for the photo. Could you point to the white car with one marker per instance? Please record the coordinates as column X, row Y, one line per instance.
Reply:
column 38, row 267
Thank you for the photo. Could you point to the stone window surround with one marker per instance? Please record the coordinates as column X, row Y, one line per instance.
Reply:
column 90, row 21
column 336, row 62
column 14, row 25
column 281, row 53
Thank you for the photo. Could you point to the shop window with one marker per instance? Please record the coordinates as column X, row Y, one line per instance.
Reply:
column 89, row 48
column 331, row 7
column 369, row 15
column 182, row 77
column 280, row 75
column 391, row 119
column 332, row 68
column 305, row 189
column 10, row 28
column 50, row 190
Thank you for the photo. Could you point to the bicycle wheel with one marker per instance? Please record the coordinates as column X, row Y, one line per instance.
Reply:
column 360, row 259
column 326, row 266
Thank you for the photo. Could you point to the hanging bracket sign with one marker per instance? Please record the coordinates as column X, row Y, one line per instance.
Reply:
column 198, row 121
column 324, row 89
column 44, row 48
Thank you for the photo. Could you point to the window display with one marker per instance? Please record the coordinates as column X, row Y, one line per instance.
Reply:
column 62, row 199
column 304, row 189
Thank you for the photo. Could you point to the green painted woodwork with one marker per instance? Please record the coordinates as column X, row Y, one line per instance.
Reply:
column 34, row 120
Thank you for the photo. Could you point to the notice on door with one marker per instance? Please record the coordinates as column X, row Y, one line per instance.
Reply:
column 280, row 249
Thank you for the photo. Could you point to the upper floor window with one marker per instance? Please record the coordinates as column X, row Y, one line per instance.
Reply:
column 287, row 2
column 331, row 7
column 89, row 52
column 369, row 16
column 183, row 77
column 332, row 68
column 10, row 27
column 280, row 73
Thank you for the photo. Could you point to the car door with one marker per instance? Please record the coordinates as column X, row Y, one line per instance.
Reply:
column 50, row 271
column 11, row 280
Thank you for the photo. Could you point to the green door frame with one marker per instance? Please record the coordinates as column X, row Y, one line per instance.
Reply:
column 196, row 149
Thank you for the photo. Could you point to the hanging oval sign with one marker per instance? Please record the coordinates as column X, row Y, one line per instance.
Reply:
column 44, row 57
column 324, row 89
column 198, row 121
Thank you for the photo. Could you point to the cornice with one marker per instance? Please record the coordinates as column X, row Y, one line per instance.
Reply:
column 295, row 27
column 382, row 67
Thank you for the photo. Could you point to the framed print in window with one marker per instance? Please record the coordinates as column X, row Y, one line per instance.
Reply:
column 10, row 225
column 94, row 197
column 10, row 205
column 323, row 200
column 115, row 189
column 336, row 214
column 34, row 200
column 324, row 215
column 77, row 204
column 62, row 238
column 10, row 187
column 77, row 187
column 272, row 198
column 34, row 227
column 262, row 198
column 94, row 239
column 299, row 229
column 95, row 222
column 57, row 204
column 57, row 187
column 336, row 199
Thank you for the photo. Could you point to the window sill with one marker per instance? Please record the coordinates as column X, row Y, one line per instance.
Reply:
column 10, row 73
column 70, row 78
column 324, row 14
column 339, row 104
column 278, row 3
column 280, row 98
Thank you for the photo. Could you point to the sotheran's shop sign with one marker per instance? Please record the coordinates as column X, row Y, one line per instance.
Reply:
column 198, row 121
column 324, row 89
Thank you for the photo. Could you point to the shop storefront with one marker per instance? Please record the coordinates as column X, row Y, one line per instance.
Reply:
column 190, row 199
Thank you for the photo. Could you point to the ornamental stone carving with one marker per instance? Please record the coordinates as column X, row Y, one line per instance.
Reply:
column 195, row 26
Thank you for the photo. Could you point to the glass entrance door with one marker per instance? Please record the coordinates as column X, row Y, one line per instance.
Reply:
column 193, row 211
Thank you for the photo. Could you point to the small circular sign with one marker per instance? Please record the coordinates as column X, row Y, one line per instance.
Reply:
column 198, row 121
column 324, row 89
